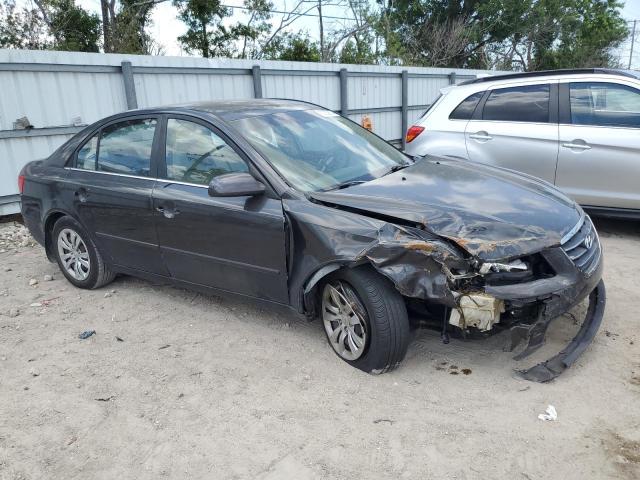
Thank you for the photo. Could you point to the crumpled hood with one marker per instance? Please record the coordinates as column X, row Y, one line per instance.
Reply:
column 491, row 212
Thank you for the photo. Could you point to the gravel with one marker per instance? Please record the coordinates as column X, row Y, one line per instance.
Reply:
column 238, row 395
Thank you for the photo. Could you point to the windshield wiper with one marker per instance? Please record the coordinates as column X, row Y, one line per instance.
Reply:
column 340, row 186
column 395, row 168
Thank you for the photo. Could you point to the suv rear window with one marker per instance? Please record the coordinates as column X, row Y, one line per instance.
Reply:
column 464, row 111
column 528, row 103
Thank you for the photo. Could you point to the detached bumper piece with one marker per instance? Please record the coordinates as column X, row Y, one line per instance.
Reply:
column 550, row 369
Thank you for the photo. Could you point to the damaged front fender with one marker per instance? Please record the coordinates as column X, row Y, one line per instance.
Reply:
column 325, row 239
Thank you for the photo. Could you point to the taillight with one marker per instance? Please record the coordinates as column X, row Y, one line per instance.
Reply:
column 413, row 132
column 21, row 183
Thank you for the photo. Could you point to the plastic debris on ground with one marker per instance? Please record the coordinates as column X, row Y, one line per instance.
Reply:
column 86, row 334
column 550, row 414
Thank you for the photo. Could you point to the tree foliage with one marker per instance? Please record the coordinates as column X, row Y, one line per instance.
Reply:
column 72, row 27
column 502, row 34
column 22, row 27
column 294, row 47
column 206, row 34
column 523, row 34
column 51, row 24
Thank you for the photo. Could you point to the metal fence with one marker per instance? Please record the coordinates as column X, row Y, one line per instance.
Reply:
column 60, row 92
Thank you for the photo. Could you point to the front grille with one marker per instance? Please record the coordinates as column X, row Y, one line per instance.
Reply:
column 583, row 246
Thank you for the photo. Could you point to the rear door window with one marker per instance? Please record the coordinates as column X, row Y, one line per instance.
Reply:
column 464, row 111
column 527, row 103
column 125, row 147
column 604, row 104
column 88, row 154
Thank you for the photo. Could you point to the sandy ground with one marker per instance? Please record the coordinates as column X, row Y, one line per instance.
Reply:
column 180, row 385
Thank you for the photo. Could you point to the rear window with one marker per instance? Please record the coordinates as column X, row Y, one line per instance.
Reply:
column 464, row 111
column 529, row 103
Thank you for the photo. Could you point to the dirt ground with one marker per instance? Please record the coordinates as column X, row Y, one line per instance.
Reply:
column 180, row 385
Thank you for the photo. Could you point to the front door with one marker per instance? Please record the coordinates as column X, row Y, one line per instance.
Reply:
column 111, row 182
column 599, row 161
column 235, row 244
column 516, row 127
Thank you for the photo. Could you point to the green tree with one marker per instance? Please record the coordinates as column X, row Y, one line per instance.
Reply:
column 61, row 25
column 586, row 35
column 73, row 28
column 124, row 26
column 253, row 33
column 523, row 34
column 206, row 33
column 22, row 27
column 357, row 51
column 296, row 47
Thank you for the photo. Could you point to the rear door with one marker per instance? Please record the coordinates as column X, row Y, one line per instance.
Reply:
column 235, row 244
column 112, row 179
column 599, row 161
column 516, row 127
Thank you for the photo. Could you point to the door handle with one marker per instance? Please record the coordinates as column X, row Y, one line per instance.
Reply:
column 82, row 194
column 481, row 136
column 577, row 146
column 168, row 212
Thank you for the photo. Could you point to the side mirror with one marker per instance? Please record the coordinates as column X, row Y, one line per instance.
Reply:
column 235, row 185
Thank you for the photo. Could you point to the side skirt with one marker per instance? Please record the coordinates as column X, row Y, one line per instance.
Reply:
column 206, row 290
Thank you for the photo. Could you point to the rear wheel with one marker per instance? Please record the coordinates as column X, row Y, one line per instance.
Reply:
column 77, row 256
column 365, row 319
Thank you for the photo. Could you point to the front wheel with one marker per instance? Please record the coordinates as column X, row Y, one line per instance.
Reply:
column 365, row 319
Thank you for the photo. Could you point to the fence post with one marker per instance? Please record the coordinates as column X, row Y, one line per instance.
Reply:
column 344, row 99
column 452, row 78
column 405, row 106
column 129, row 85
column 257, row 81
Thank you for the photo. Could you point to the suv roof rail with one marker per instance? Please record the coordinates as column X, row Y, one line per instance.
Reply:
column 543, row 73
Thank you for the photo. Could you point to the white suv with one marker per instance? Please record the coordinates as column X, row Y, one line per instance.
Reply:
column 576, row 129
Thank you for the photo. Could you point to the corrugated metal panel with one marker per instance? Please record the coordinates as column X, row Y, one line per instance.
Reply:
column 369, row 92
column 167, row 89
column 55, row 89
column 324, row 91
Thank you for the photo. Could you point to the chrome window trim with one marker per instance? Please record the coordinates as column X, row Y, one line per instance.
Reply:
column 199, row 185
column 137, row 176
column 108, row 173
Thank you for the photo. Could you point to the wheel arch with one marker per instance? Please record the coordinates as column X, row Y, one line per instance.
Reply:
column 314, row 280
column 50, row 220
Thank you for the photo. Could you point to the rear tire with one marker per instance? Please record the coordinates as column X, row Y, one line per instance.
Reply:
column 365, row 319
column 77, row 255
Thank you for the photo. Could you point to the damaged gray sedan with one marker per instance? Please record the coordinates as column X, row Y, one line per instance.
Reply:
column 288, row 203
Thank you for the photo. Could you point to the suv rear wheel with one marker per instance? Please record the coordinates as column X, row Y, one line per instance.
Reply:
column 365, row 319
column 77, row 255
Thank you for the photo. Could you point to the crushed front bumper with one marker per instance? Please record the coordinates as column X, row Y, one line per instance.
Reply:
column 550, row 369
column 555, row 296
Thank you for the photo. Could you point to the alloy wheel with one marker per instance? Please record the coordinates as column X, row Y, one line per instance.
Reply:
column 344, row 319
column 74, row 254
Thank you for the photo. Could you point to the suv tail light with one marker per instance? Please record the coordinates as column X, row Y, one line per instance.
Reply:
column 413, row 132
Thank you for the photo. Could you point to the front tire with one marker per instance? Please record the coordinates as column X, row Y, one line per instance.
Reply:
column 365, row 319
column 78, row 257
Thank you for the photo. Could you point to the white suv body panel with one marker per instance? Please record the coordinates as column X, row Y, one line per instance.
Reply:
column 602, row 171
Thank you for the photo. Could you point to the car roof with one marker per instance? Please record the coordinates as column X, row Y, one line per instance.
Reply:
column 230, row 110
column 553, row 74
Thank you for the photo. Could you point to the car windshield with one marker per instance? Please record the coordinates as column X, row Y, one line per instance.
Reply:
column 317, row 150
